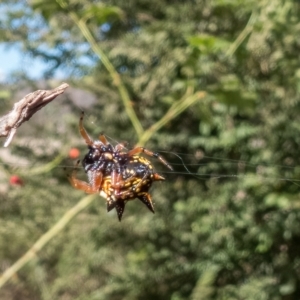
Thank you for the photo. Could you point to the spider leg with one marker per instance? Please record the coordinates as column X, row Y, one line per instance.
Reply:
column 103, row 139
column 83, row 132
column 118, row 183
column 129, row 188
column 116, row 197
column 95, row 179
column 132, row 183
column 120, row 146
column 116, row 180
column 150, row 153
column 84, row 186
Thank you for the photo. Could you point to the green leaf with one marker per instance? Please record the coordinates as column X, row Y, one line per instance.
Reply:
column 100, row 13
column 208, row 43
column 47, row 8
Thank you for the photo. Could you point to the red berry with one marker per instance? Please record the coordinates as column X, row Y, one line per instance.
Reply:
column 15, row 180
column 74, row 153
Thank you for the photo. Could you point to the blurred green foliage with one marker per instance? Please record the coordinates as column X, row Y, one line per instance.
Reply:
column 212, row 237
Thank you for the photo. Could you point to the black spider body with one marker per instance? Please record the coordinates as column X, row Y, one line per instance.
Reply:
column 99, row 159
column 104, row 158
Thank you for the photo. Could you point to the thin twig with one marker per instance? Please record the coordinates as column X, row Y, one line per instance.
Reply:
column 49, row 166
column 242, row 36
column 45, row 238
column 24, row 109
column 117, row 81
column 176, row 109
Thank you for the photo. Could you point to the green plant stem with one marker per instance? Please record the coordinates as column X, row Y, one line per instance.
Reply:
column 44, row 239
column 117, row 81
column 242, row 36
column 47, row 167
column 176, row 109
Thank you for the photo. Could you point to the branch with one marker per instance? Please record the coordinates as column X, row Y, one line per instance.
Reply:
column 117, row 81
column 47, row 237
column 242, row 36
column 24, row 109
column 176, row 109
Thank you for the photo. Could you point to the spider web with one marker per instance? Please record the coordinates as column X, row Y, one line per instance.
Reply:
column 244, row 169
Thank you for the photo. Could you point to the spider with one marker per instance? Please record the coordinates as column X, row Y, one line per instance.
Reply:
column 122, row 175
column 134, row 182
